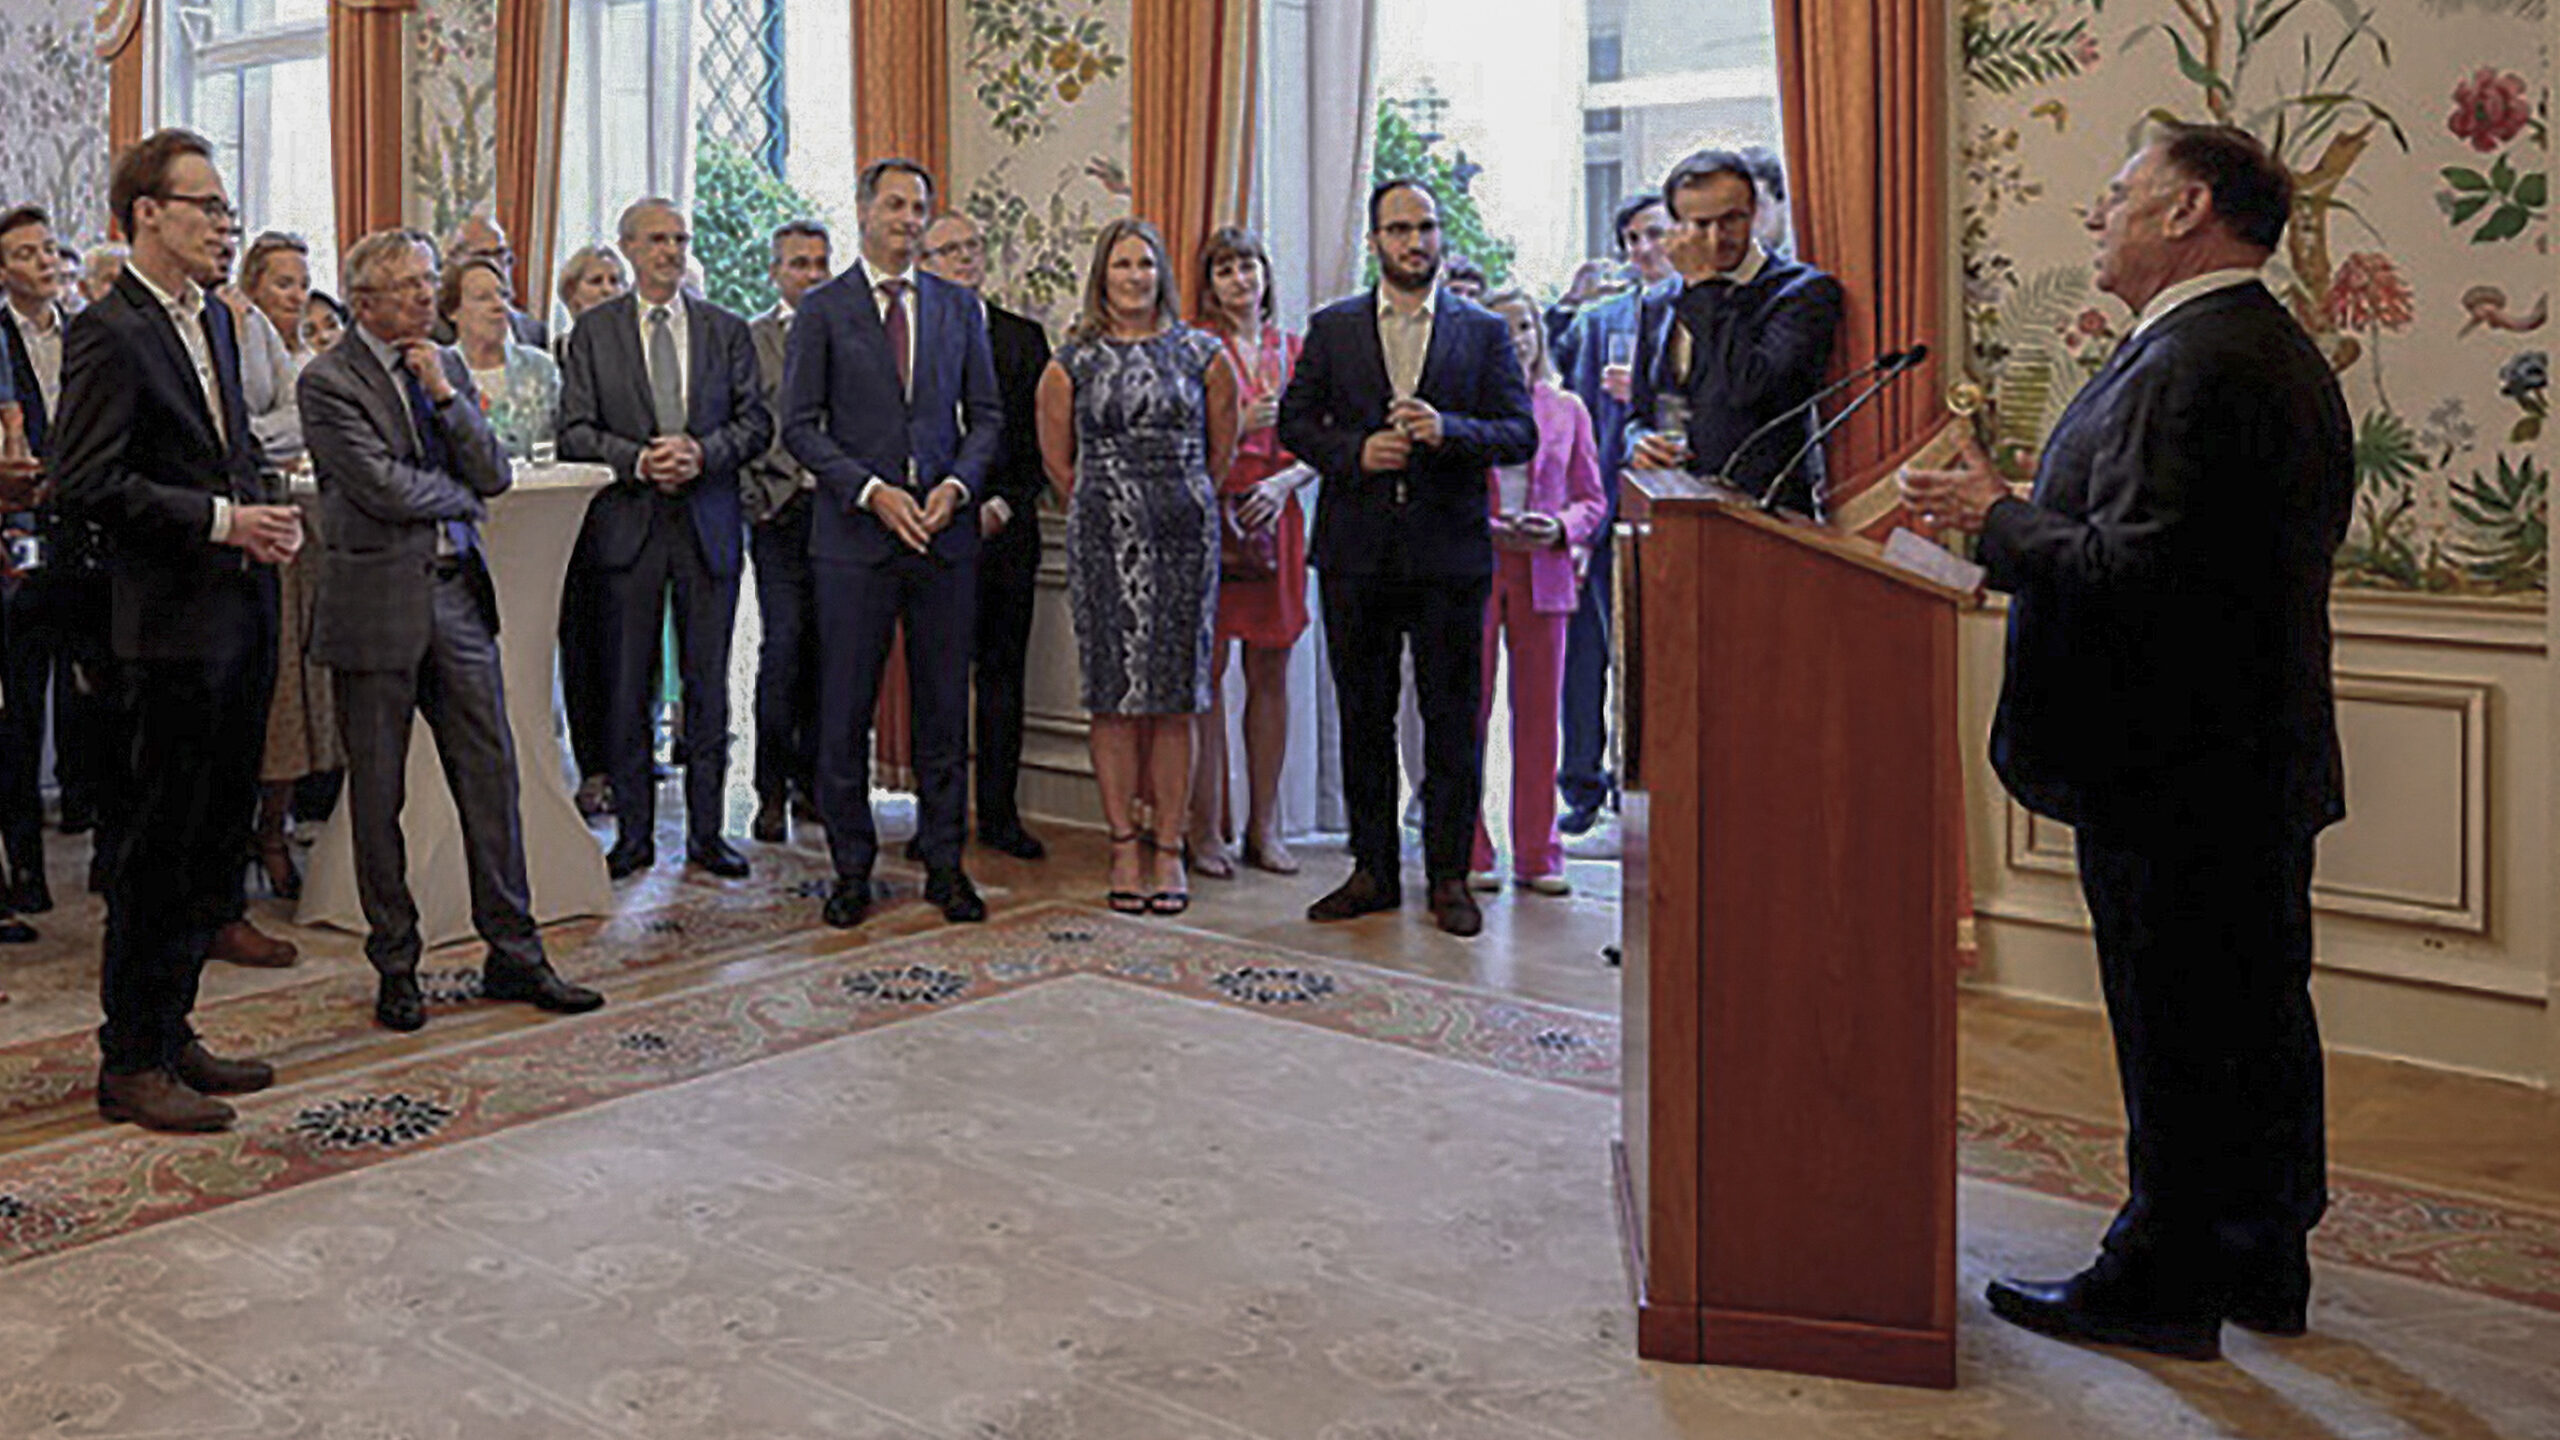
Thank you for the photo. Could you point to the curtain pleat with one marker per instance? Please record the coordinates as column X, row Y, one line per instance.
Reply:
column 533, row 50
column 365, row 89
column 1192, row 72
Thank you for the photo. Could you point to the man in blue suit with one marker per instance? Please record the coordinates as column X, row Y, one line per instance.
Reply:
column 663, row 387
column 1405, row 397
column 889, row 398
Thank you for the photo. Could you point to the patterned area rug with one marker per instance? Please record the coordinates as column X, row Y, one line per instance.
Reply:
column 1063, row 1176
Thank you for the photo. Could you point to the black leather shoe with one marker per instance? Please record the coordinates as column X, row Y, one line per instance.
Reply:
column 950, row 889
column 1013, row 840
column 717, row 856
column 2083, row 1308
column 399, row 1004
column 850, row 903
column 78, row 817
column 1578, row 820
column 1455, row 909
column 2275, row 1300
column 539, row 986
column 1362, row 894
column 626, row 861
column 209, row 1074
column 14, row 931
column 28, row 894
column 772, row 825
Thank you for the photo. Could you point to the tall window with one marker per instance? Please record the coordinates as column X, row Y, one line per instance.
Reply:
column 253, row 76
column 626, row 127
column 1546, row 114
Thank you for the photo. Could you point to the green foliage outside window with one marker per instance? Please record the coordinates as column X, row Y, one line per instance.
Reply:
column 736, row 205
column 1403, row 153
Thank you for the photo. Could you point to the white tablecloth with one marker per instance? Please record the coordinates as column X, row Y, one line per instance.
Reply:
column 526, row 541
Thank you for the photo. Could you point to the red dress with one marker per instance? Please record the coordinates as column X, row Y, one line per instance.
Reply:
column 1266, row 614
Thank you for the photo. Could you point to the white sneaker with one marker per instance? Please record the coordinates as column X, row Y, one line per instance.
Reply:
column 1601, row 842
column 1546, row 884
column 1485, row 880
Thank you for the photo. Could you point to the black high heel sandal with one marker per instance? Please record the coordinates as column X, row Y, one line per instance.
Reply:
column 1126, row 902
column 1172, row 902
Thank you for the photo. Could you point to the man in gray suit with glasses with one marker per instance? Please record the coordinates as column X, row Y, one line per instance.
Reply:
column 408, row 620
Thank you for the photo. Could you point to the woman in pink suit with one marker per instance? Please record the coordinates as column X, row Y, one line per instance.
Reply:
column 1546, row 515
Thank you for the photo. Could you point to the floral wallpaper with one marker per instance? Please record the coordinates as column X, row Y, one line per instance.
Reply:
column 53, row 108
column 452, row 111
column 1040, row 140
column 2419, row 254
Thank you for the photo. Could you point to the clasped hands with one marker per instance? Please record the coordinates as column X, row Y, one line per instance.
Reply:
column 1527, row 531
column 1410, row 422
column 670, row 462
column 914, row 523
column 1954, row 499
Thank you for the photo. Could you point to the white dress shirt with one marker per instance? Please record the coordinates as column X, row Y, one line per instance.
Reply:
column 683, row 332
column 186, row 312
column 2194, row 287
column 42, row 337
column 1405, row 338
column 907, row 300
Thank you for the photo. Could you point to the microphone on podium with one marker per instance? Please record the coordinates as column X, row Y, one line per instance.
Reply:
column 1887, row 368
column 1890, row 362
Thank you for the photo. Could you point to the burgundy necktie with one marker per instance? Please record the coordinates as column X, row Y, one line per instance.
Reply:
column 895, row 321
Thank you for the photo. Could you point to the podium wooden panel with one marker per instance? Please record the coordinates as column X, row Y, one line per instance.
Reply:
column 1787, row 1170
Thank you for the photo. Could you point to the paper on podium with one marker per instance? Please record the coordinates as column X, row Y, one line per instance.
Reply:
column 1931, row 561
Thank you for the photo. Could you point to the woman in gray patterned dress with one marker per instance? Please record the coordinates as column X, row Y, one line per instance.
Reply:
column 1137, row 413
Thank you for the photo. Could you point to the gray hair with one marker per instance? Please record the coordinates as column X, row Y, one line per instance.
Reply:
column 377, row 250
column 629, row 224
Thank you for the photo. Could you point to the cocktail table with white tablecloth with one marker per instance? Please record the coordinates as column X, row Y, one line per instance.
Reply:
column 526, row 542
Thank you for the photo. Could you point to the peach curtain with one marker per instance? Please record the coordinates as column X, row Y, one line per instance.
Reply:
column 364, row 115
column 902, row 107
column 902, row 82
column 1191, row 119
column 118, row 38
column 533, row 51
column 1863, row 85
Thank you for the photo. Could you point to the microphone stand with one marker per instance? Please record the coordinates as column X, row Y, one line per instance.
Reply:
column 1890, row 360
column 1822, row 432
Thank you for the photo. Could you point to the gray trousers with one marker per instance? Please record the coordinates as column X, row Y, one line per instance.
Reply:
column 456, row 686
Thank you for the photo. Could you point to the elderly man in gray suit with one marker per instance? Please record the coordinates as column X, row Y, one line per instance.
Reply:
column 408, row 620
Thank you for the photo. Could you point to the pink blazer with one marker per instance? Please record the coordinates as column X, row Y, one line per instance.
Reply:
column 1564, row 481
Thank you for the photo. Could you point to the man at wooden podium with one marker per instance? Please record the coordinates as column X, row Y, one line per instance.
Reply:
column 2168, row 695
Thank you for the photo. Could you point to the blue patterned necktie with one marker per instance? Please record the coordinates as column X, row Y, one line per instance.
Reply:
column 431, row 450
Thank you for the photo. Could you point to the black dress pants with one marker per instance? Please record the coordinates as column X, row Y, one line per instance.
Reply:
column 1008, row 586
column 787, row 657
column 199, row 728
column 670, row 568
column 1368, row 621
column 2204, row 952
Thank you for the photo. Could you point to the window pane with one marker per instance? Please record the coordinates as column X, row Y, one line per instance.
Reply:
column 298, row 194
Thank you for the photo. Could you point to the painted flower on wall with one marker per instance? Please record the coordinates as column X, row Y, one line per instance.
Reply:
column 2490, row 108
column 2367, row 293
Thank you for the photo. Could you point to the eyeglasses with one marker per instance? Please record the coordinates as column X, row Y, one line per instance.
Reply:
column 974, row 245
column 414, row 285
column 214, row 207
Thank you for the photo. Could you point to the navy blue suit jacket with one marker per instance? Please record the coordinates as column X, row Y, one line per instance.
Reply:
column 1338, row 398
column 608, row 415
column 1754, row 350
column 844, row 416
column 2169, row 644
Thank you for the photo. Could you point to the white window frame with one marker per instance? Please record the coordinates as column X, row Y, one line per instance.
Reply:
column 190, row 54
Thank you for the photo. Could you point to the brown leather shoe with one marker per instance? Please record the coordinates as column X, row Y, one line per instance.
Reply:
column 159, row 1100
column 242, row 943
column 1455, row 909
column 210, row 1074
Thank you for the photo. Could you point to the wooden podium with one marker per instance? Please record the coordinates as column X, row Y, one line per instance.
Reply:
column 1790, row 766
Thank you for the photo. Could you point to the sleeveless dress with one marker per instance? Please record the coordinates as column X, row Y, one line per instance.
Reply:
column 1266, row 614
column 1142, row 522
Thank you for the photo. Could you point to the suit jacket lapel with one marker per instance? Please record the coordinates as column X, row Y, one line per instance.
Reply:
column 697, row 332
column 382, row 392
column 156, row 319
column 866, row 318
column 1371, row 354
column 1443, row 308
column 627, row 325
